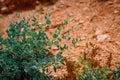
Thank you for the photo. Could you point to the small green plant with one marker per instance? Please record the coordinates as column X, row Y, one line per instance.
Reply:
column 85, row 71
column 26, row 54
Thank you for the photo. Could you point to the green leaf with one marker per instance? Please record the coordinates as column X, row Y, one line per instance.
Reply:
column 48, row 21
column 73, row 42
column 55, row 68
column 65, row 46
column 55, row 35
column 34, row 19
column 47, row 16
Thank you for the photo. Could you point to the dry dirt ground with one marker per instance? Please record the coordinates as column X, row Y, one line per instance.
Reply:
column 100, row 27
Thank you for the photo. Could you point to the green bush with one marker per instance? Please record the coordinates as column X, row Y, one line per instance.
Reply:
column 26, row 54
column 85, row 71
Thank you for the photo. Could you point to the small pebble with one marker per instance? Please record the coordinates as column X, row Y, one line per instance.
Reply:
column 116, row 11
column 4, row 9
column 2, row 0
column 102, row 37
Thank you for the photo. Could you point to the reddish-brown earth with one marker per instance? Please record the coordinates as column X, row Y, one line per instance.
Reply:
column 100, row 27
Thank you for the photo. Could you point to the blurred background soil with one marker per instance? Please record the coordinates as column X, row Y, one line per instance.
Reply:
column 100, row 26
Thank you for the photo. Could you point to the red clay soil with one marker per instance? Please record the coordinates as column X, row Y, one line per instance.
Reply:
column 100, row 27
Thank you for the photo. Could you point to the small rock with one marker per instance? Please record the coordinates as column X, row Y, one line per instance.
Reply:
column 4, row 9
column 37, row 2
column 116, row 11
column 56, row 8
column 55, row 76
column 102, row 37
column 110, row 2
column 2, row 0
column 61, row 6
